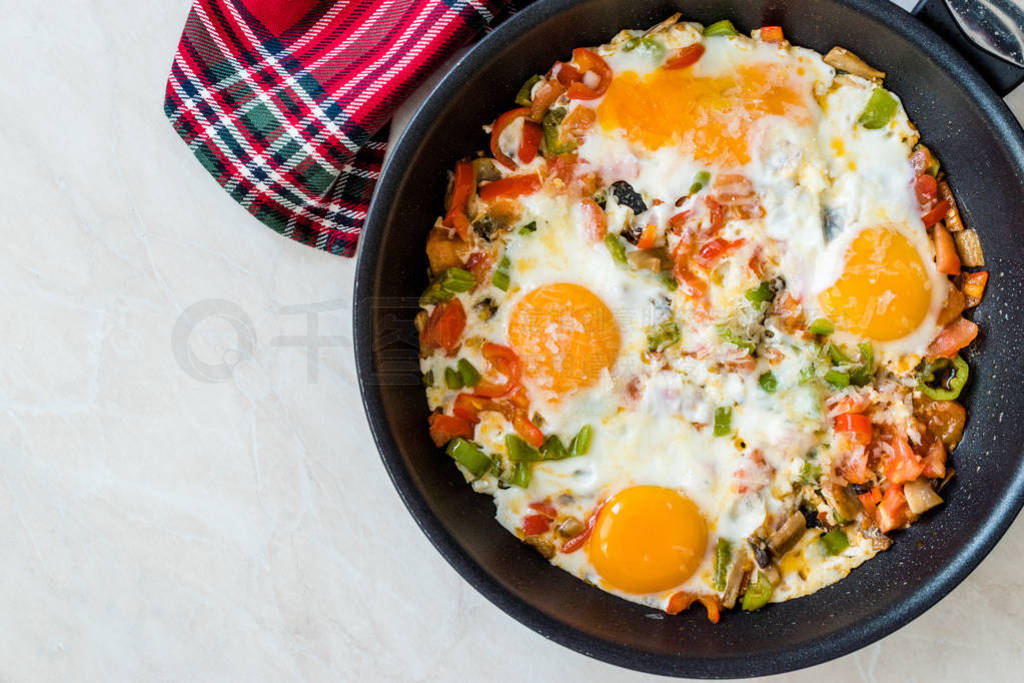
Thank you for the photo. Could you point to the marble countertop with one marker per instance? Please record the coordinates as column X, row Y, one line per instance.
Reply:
column 188, row 507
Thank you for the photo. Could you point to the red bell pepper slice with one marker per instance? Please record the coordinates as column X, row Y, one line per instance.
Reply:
column 444, row 428
column 510, row 187
column 682, row 600
column 688, row 56
column 715, row 249
column 543, row 97
column 500, row 124
column 503, row 360
column 937, row 213
column 947, row 260
column 586, row 61
column 444, row 326
column 463, row 187
column 535, row 524
column 529, row 143
column 545, row 508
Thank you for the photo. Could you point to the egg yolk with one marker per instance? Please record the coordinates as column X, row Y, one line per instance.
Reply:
column 883, row 292
column 709, row 115
column 564, row 336
column 647, row 539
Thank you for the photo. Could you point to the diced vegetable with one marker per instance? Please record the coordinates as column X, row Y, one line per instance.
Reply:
column 934, row 459
column 844, row 60
column 444, row 327
column 969, row 247
column 787, row 534
column 543, row 97
column 503, row 360
column 772, row 34
column 879, row 109
column 924, row 161
column 821, row 326
column 615, row 247
column 452, row 379
column 662, row 335
column 835, row 542
column 945, row 420
column 721, row 28
column 855, row 424
column 920, row 496
column 457, row 280
column 521, row 475
column 682, row 600
column 469, row 456
column 810, row 473
column 723, row 421
column 580, row 443
column 700, row 181
column 760, row 294
column 528, row 228
column 836, row 355
column 529, row 141
column 468, row 373
column 723, row 556
column 443, row 250
column 444, row 428
column 946, row 258
column 904, row 464
column 510, row 187
column 943, row 379
column 587, row 61
column 727, row 334
column 926, row 188
column 685, row 57
column 552, row 139
column 865, row 372
column 973, row 285
column 595, row 219
column 953, row 337
column 892, row 511
column 535, row 524
column 520, row 451
column 648, row 236
column 768, row 382
column 838, row 378
column 758, row 594
column 500, row 124
column 953, row 222
column 462, row 189
column 553, row 449
column 501, row 280
column 523, row 97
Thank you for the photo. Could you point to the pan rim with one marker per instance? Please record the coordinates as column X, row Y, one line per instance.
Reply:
column 786, row 658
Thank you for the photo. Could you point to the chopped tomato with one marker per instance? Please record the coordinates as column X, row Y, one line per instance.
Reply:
column 717, row 216
column 772, row 34
column 512, row 186
column 715, row 249
column 854, row 466
column 946, row 259
column 461, row 191
column 688, row 56
column 927, row 189
column 935, row 461
column 904, row 464
column 646, row 240
column 681, row 601
column 545, row 508
column 680, row 219
column 892, row 512
column 543, row 97
column 500, row 124
column 692, row 285
column 594, row 219
column 529, row 143
column 444, row 428
column 577, row 541
column 589, row 63
column 444, row 326
column 936, row 214
column 953, row 337
column 870, row 501
column 855, row 424
column 851, row 403
column 535, row 524
column 503, row 360
column 579, row 121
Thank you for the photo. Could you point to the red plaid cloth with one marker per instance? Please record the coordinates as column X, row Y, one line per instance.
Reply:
column 285, row 102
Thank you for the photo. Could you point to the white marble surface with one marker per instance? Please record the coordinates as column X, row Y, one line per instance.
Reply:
column 160, row 527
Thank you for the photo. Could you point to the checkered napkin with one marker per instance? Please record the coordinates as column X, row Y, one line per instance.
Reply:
column 285, row 102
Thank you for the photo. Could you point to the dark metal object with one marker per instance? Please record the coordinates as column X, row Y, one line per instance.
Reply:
column 981, row 147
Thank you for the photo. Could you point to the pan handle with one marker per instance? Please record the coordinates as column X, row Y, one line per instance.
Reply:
column 988, row 33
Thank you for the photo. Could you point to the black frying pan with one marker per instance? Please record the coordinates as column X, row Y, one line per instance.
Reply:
column 980, row 146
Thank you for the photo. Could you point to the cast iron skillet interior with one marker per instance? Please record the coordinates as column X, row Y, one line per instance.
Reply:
column 980, row 147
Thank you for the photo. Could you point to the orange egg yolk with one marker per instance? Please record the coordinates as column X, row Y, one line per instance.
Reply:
column 884, row 292
column 709, row 115
column 564, row 335
column 647, row 539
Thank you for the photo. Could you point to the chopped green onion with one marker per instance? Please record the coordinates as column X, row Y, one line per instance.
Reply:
column 521, row 475
column 723, row 555
column 699, row 181
column 668, row 280
column 838, row 378
column 469, row 456
column 553, row 145
column 580, row 443
column 837, row 355
column 943, row 379
column 631, row 44
column 470, row 375
column 727, row 334
column 863, row 375
column 553, row 449
column 768, row 382
column 758, row 593
column 879, row 109
column 807, row 374
column 501, row 280
column 453, row 379
column 428, row 378
column 520, row 451
column 662, row 335
column 457, row 280
column 721, row 28
column 523, row 97
column 810, row 473
column 821, row 326
column 649, row 45
column 723, row 421
column 497, row 468
column 615, row 247
column 435, row 294
column 760, row 294
column 835, row 542
column 528, row 228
